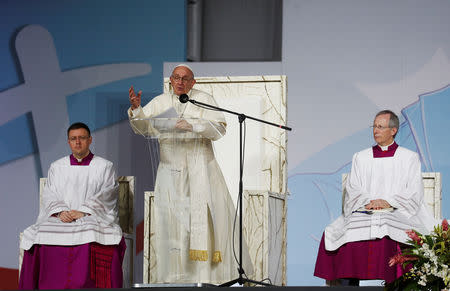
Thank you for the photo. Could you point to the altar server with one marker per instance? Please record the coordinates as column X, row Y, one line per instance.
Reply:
column 76, row 241
column 384, row 198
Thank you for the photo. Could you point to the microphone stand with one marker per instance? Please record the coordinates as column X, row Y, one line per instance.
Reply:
column 240, row 280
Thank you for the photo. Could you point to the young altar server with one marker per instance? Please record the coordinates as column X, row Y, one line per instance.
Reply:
column 76, row 241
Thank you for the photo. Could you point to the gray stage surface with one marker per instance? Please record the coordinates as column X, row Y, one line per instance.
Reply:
column 200, row 287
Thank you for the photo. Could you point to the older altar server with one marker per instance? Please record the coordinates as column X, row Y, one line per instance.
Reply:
column 193, row 208
column 76, row 241
column 384, row 198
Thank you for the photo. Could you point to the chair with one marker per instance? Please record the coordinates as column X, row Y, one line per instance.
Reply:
column 432, row 194
column 432, row 184
column 126, row 215
column 126, row 221
column 264, row 221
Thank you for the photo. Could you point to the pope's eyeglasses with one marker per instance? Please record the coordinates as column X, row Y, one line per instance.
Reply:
column 182, row 79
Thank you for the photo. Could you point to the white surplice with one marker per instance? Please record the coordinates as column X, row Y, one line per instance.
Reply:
column 194, row 211
column 90, row 189
column 398, row 180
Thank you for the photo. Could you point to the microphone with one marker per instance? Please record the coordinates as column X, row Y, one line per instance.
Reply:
column 183, row 98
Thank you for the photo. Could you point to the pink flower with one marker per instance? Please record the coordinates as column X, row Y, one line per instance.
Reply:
column 400, row 259
column 444, row 225
column 397, row 259
column 414, row 236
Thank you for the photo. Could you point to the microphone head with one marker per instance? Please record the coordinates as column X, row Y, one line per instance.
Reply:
column 183, row 98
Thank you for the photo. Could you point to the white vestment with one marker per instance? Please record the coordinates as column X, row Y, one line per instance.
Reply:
column 194, row 211
column 91, row 189
column 398, row 180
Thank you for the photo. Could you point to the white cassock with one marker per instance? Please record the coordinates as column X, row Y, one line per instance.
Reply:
column 398, row 180
column 90, row 189
column 194, row 210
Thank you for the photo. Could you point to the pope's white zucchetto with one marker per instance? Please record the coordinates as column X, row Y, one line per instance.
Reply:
column 183, row 65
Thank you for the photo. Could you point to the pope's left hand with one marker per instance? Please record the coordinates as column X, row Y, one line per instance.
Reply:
column 183, row 124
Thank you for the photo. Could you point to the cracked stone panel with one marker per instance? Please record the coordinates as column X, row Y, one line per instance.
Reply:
column 126, row 202
column 126, row 215
column 149, row 252
column 277, row 239
column 262, row 97
column 265, row 232
column 433, row 192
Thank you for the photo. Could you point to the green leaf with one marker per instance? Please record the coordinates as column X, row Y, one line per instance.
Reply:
column 411, row 286
column 429, row 240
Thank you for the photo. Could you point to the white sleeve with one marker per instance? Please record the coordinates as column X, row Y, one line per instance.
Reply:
column 409, row 202
column 52, row 201
column 355, row 195
column 142, row 127
column 103, row 204
column 132, row 113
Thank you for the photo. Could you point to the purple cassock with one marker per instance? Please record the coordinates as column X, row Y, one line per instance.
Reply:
column 365, row 260
column 90, row 265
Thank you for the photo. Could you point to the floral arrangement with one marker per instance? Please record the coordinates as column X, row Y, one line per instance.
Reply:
column 428, row 257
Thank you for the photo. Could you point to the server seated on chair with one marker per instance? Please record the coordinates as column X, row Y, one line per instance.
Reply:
column 76, row 241
column 384, row 198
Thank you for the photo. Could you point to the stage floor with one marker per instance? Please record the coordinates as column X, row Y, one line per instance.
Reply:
column 207, row 287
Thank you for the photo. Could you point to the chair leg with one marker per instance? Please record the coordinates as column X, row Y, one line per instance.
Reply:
column 331, row 283
column 343, row 282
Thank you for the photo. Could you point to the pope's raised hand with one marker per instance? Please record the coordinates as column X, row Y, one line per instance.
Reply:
column 135, row 100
